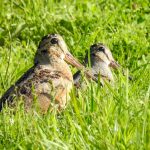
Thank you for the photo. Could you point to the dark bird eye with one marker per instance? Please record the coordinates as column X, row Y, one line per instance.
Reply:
column 54, row 41
column 101, row 49
column 44, row 51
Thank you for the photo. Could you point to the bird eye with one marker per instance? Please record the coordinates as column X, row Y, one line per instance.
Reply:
column 101, row 49
column 44, row 51
column 54, row 41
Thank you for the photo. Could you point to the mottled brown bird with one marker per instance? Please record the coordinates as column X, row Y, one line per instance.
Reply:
column 101, row 61
column 49, row 80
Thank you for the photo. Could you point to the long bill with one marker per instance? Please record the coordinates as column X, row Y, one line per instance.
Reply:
column 74, row 62
column 114, row 65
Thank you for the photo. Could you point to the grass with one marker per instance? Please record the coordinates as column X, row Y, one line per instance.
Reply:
column 99, row 118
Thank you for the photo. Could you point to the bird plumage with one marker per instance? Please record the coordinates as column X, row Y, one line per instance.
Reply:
column 101, row 61
column 49, row 80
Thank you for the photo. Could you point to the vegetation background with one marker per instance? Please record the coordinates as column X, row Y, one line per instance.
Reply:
column 99, row 118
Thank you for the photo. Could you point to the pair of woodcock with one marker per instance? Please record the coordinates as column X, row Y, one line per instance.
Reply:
column 50, row 80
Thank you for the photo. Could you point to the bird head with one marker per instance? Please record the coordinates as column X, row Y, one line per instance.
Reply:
column 53, row 48
column 102, row 53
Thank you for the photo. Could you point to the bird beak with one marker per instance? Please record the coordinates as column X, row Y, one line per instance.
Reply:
column 114, row 65
column 74, row 62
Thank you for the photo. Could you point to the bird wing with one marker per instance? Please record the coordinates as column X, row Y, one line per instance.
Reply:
column 76, row 78
column 11, row 92
column 36, row 78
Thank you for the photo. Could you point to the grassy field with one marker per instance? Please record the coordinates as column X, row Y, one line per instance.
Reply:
column 99, row 118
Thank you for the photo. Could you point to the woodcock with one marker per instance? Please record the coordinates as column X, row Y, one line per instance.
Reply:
column 49, row 80
column 101, row 61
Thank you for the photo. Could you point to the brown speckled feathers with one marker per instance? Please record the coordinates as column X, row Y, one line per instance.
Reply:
column 49, row 80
